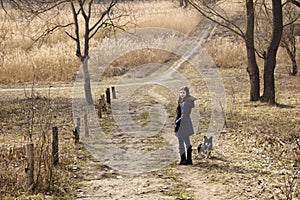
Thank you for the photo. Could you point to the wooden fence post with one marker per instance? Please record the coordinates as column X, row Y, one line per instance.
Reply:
column 108, row 96
column 76, row 132
column 30, row 167
column 103, row 103
column 100, row 108
column 55, row 145
column 113, row 89
column 86, row 127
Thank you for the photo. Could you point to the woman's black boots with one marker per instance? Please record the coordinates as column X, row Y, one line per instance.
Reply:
column 189, row 156
column 186, row 160
column 183, row 160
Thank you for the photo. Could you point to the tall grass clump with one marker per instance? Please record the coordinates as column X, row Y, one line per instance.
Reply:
column 34, row 116
column 51, row 63
column 228, row 52
column 166, row 14
column 223, row 50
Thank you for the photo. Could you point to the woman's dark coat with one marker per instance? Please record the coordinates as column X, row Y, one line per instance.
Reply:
column 183, row 123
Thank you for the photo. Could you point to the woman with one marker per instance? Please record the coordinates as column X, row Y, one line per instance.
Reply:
column 183, row 125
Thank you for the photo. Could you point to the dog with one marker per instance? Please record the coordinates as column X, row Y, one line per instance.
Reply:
column 204, row 150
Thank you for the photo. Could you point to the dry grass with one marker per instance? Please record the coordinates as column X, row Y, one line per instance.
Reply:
column 137, row 58
column 165, row 14
column 18, row 119
column 51, row 63
column 230, row 51
column 223, row 50
column 55, row 59
column 268, row 134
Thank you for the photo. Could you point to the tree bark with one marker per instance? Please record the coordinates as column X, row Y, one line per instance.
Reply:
column 295, row 68
column 292, row 56
column 288, row 41
column 270, row 60
column 87, row 81
column 252, row 67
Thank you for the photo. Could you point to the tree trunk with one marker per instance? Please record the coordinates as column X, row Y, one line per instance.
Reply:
column 87, row 81
column 289, row 43
column 295, row 68
column 269, row 83
column 252, row 68
column 294, row 62
column 270, row 60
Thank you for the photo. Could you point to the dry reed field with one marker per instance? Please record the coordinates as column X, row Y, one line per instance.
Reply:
column 53, row 58
column 257, row 155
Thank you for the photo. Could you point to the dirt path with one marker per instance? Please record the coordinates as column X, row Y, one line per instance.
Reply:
column 157, row 176
column 228, row 174
column 132, row 131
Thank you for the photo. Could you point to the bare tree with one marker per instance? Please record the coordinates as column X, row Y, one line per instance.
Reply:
column 81, row 9
column 252, row 68
column 282, row 34
column 288, row 40
column 209, row 10
column 270, row 56
column 90, row 30
column 264, row 26
column 3, row 36
column 289, row 43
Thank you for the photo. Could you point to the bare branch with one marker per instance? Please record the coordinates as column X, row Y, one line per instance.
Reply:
column 213, row 15
column 76, row 38
column 35, row 7
column 70, row 36
column 291, row 15
column 291, row 22
column 90, row 8
column 81, row 5
column 51, row 30
column 295, row 2
column 103, row 15
column 261, row 55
